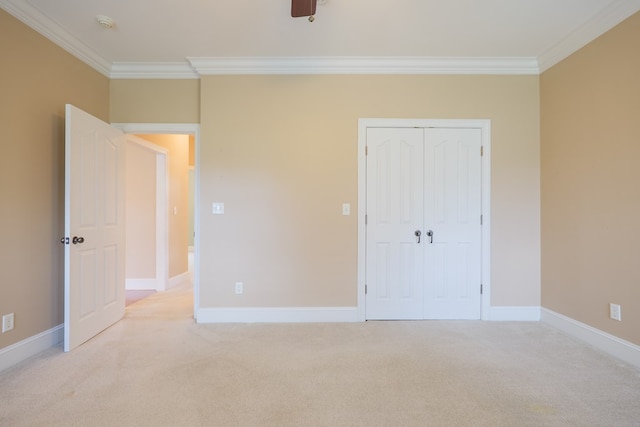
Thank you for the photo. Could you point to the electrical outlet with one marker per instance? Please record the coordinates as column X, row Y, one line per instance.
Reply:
column 7, row 322
column 239, row 288
column 615, row 312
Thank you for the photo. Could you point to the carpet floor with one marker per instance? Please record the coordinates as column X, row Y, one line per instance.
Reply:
column 131, row 297
column 157, row 367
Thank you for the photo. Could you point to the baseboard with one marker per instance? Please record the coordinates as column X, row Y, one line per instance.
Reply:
column 176, row 280
column 614, row 346
column 31, row 346
column 278, row 315
column 333, row 314
column 140, row 284
column 514, row 314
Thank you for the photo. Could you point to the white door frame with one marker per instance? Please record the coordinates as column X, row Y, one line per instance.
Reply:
column 161, row 210
column 485, row 127
column 179, row 129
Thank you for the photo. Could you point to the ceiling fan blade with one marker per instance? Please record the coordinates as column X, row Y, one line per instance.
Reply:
column 303, row 8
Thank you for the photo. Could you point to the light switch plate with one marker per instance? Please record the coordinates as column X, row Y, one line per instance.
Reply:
column 218, row 208
column 346, row 209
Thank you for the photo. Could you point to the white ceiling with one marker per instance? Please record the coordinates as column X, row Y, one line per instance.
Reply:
column 169, row 38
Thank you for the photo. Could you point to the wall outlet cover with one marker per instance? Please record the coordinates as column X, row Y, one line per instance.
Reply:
column 615, row 312
column 7, row 322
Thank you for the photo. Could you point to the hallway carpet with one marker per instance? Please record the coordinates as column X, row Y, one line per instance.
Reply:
column 131, row 297
column 157, row 367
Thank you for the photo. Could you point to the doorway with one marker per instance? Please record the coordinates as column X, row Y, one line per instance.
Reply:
column 424, row 219
column 146, row 218
column 179, row 268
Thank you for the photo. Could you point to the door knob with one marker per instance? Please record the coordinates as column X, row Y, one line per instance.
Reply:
column 430, row 234
column 77, row 240
column 418, row 233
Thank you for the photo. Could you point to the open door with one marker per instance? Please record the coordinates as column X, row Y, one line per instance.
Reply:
column 94, row 227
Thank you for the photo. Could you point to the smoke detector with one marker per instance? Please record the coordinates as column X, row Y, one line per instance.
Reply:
column 105, row 21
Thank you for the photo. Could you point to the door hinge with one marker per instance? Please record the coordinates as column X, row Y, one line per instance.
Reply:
column 481, row 289
column 366, row 150
column 481, row 218
column 366, row 219
column 365, row 289
column 481, row 151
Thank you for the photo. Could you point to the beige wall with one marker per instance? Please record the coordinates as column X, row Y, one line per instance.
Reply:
column 590, row 175
column 155, row 101
column 281, row 153
column 140, row 212
column 178, row 166
column 37, row 78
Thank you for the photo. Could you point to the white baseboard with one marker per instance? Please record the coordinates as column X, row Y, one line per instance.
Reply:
column 616, row 347
column 278, row 315
column 31, row 346
column 140, row 284
column 176, row 280
column 152, row 284
column 514, row 314
column 333, row 314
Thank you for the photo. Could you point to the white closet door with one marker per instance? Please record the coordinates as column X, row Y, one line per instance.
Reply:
column 425, row 181
column 452, row 211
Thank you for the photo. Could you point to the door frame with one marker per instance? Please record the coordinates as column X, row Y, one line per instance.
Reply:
column 179, row 129
column 485, row 127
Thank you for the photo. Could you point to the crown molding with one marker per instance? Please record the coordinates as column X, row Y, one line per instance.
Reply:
column 363, row 65
column 54, row 32
column 152, row 70
column 608, row 18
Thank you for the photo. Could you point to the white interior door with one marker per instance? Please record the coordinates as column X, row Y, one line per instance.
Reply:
column 94, row 227
column 425, row 181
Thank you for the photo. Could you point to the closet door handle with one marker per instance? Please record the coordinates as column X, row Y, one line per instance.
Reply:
column 430, row 234
column 417, row 233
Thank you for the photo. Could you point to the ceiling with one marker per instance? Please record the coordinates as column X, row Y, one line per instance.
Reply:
column 187, row 38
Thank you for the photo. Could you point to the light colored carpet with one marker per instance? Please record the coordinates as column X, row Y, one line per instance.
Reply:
column 133, row 296
column 157, row 367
